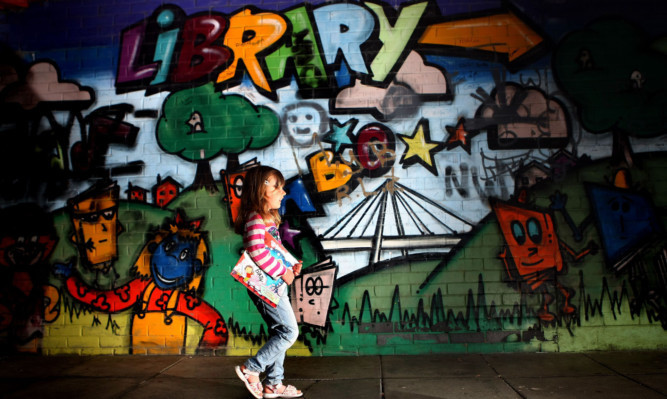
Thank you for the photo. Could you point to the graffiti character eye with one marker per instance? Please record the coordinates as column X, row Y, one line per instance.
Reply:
column 90, row 217
column 292, row 118
column 238, row 186
column 184, row 254
column 534, row 230
column 622, row 205
column 108, row 214
column 518, row 232
column 625, row 208
column 309, row 117
column 169, row 246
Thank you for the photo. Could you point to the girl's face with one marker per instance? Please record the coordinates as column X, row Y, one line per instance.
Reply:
column 274, row 193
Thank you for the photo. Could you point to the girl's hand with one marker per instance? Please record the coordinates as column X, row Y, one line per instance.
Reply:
column 288, row 277
column 297, row 268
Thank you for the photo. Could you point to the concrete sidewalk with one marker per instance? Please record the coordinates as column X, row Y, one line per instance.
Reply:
column 641, row 375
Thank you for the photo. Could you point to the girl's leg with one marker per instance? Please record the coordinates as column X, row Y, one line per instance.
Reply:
column 283, row 332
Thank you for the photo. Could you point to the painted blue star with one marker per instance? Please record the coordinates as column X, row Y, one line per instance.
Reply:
column 341, row 134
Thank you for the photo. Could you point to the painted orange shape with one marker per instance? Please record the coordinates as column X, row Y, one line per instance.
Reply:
column 248, row 35
column 327, row 175
column 531, row 239
column 501, row 33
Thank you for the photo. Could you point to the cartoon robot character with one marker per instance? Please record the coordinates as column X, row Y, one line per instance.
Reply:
column 630, row 231
column 27, row 300
column 94, row 215
column 164, row 293
column 627, row 222
column 532, row 257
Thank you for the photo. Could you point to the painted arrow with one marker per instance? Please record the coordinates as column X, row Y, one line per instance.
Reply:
column 503, row 33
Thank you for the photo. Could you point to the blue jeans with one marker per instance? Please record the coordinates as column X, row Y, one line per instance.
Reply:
column 283, row 332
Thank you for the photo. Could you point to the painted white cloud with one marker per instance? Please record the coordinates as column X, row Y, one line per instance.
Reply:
column 43, row 85
column 412, row 80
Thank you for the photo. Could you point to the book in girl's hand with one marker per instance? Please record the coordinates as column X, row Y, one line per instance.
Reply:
column 256, row 280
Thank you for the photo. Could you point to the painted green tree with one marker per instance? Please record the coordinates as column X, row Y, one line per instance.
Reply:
column 616, row 76
column 199, row 125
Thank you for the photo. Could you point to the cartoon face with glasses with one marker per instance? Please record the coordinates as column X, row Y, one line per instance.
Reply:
column 94, row 215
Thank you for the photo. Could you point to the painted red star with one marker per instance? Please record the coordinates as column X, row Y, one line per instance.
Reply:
column 459, row 136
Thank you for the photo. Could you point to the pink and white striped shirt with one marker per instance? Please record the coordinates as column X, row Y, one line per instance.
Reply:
column 253, row 242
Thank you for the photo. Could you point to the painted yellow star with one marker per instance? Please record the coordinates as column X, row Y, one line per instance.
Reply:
column 420, row 148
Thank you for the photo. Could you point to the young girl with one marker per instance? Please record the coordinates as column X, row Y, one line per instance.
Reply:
column 260, row 201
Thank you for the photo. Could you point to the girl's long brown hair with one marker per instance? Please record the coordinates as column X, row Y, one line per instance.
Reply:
column 252, row 196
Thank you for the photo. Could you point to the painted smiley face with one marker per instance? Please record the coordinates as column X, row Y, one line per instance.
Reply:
column 304, row 120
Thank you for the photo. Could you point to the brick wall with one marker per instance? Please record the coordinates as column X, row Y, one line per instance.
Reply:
column 479, row 177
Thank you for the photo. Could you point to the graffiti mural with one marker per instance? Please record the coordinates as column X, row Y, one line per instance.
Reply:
column 164, row 291
column 459, row 177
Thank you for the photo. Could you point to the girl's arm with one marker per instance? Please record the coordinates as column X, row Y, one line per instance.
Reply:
column 253, row 242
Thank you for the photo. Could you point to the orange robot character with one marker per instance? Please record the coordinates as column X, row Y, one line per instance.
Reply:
column 94, row 215
column 533, row 253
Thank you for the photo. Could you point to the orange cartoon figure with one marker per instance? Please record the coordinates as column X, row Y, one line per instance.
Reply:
column 94, row 215
column 164, row 293
column 533, row 254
